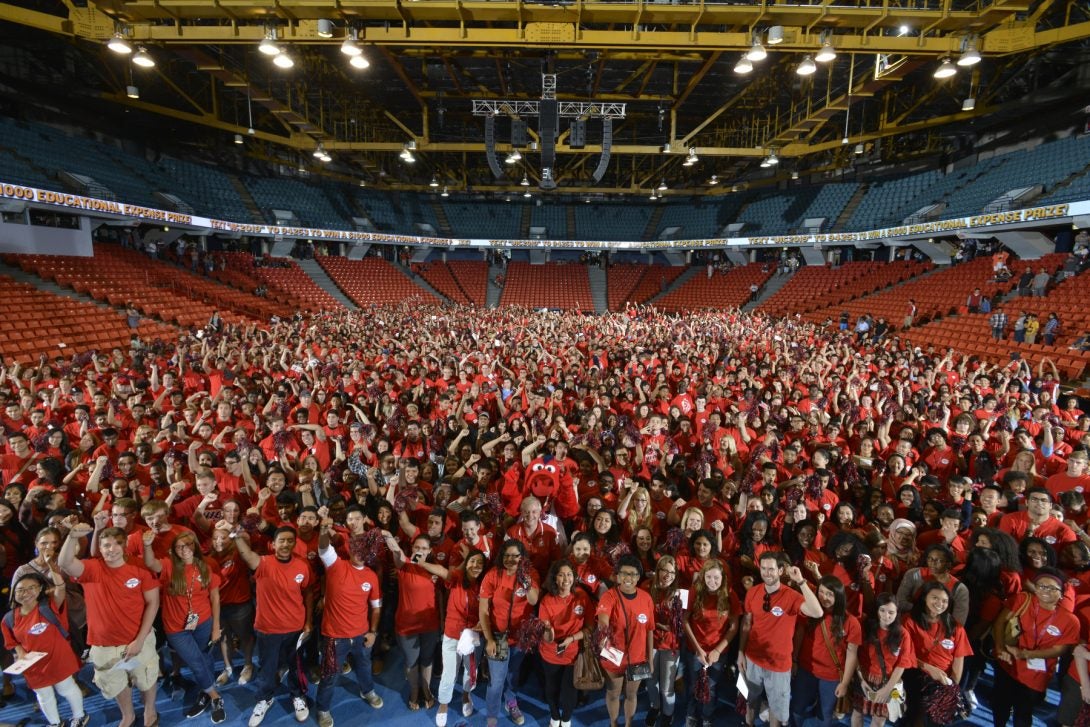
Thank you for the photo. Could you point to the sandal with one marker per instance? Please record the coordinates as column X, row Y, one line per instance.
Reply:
column 414, row 706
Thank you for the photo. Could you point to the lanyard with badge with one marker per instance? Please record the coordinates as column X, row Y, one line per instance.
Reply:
column 191, row 617
column 1038, row 664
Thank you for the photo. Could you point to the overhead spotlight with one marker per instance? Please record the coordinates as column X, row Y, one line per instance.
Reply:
column 527, row 194
column 407, row 155
column 773, row 160
column 652, row 196
column 363, row 182
column 794, row 174
column 765, row 164
column 859, row 149
column 349, row 47
column 325, row 28
column 807, row 67
column 968, row 104
column 666, row 149
column 326, row 158
column 238, row 138
column 119, row 45
column 743, row 66
column 845, row 141
column 132, row 91
column 143, row 58
column 513, row 157
column 970, row 57
column 692, row 158
column 525, row 181
column 359, row 62
column 904, row 30
column 714, row 180
column 445, row 192
column 757, row 52
column 268, row 45
column 775, row 35
column 319, row 152
column 434, row 182
column 283, row 60
column 662, row 186
column 945, row 69
column 826, row 54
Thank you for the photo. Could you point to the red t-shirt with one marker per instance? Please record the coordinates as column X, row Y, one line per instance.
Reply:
column 635, row 615
column 568, row 616
column 463, row 608
column 871, row 665
column 770, row 635
column 196, row 598
column 935, row 647
column 417, row 605
column 115, row 600
column 350, row 594
column 1062, row 482
column 280, row 587
column 498, row 588
column 814, row 655
column 134, row 546
column 1041, row 629
column 708, row 624
column 34, row 633
column 234, row 578
column 1052, row 531
column 541, row 545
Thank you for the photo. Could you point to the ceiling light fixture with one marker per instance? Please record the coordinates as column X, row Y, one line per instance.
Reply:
column 283, row 60
column 662, row 186
column 692, row 158
column 359, row 62
column 970, row 57
column 238, row 138
column 714, row 180
column 407, row 155
column 807, row 67
column 775, row 35
column 325, row 28
column 968, row 104
column 652, row 196
column 826, row 54
column 119, row 45
column 743, row 66
column 143, row 58
column 794, row 174
column 445, row 192
column 514, row 156
column 773, row 160
column 268, row 45
column 132, row 91
column 525, row 181
column 904, row 30
column 757, row 52
column 765, row 163
column 349, row 47
column 434, row 182
column 946, row 69
column 527, row 194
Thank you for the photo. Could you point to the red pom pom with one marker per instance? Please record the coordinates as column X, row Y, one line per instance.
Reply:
column 702, row 688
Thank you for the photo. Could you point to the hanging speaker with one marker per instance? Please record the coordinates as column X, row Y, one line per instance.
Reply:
column 518, row 133
column 490, row 145
column 577, row 139
column 607, row 149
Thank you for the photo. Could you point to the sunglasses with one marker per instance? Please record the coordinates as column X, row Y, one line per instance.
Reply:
column 768, row 602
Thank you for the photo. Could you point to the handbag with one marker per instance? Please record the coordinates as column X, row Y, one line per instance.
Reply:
column 896, row 704
column 587, row 673
column 632, row 672
column 1012, row 630
column 503, row 649
column 844, row 704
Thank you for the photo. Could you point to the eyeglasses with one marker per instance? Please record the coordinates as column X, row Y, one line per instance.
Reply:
column 1049, row 589
column 628, row 574
column 28, row 589
column 668, row 572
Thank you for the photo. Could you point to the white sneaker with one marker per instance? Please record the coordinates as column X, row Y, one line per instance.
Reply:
column 440, row 719
column 554, row 723
column 764, row 714
column 373, row 699
column 246, row 675
column 325, row 719
column 970, row 696
column 258, row 715
column 467, row 708
column 301, row 709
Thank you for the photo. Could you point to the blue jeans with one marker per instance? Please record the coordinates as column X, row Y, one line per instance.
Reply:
column 361, row 664
column 809, row 695
column 272, row 651
column 715, row 676
column 501, row 674
column 191, row 647
column 660, row 687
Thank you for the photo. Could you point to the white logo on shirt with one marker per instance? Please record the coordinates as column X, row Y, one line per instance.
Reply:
column 642, row 618
column 1050, row 539
column 591, row 578
column 299, row 577
column 947, row 644
column 132, row 583
column 1052, row 630
column 366, row 587
column 38, row 629
column 578, row 610
column 777, row 611
column 521, row 593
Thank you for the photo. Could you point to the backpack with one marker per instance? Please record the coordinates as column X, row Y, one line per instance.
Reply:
column 47, row 613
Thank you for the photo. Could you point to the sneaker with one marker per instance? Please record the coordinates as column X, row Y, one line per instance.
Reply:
column 258, row 715
column 652, row 717
column 763, row 715
column 690, row 721
column 299, row 704
column 515, row 713
column 467, row 708
column 373, row 699
column 970, row 696
column 80, row 721
column 346, row 668
column 224, row 676
column 198, row 707
column 219, row 714
column 246, row 675
column 441, row 719
column 325, row 719
column 554, row 723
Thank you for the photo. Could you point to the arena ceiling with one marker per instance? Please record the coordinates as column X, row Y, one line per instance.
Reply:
column 671, row 64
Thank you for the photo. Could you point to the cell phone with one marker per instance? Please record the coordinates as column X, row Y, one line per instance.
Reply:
column 561, row 649
column 416, row 557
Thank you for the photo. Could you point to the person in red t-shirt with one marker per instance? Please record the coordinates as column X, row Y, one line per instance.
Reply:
column 417, row 619
column 463, row 615
column 828, row 654
column 711, row 626
column 628, row 614
column 29, row 631
column 663, row 586
column 191, row 614
column 122, row 600
column 236, row 604
column 940, row 644
column 1027, row 667
column 539, row 538
column 885, row 655
column 351, row 590
column 507, row 594
column 568, row 616
column 285, row 609
column 768, row 625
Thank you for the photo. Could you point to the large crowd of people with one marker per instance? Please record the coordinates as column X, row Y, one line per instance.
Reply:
column 688, row 507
